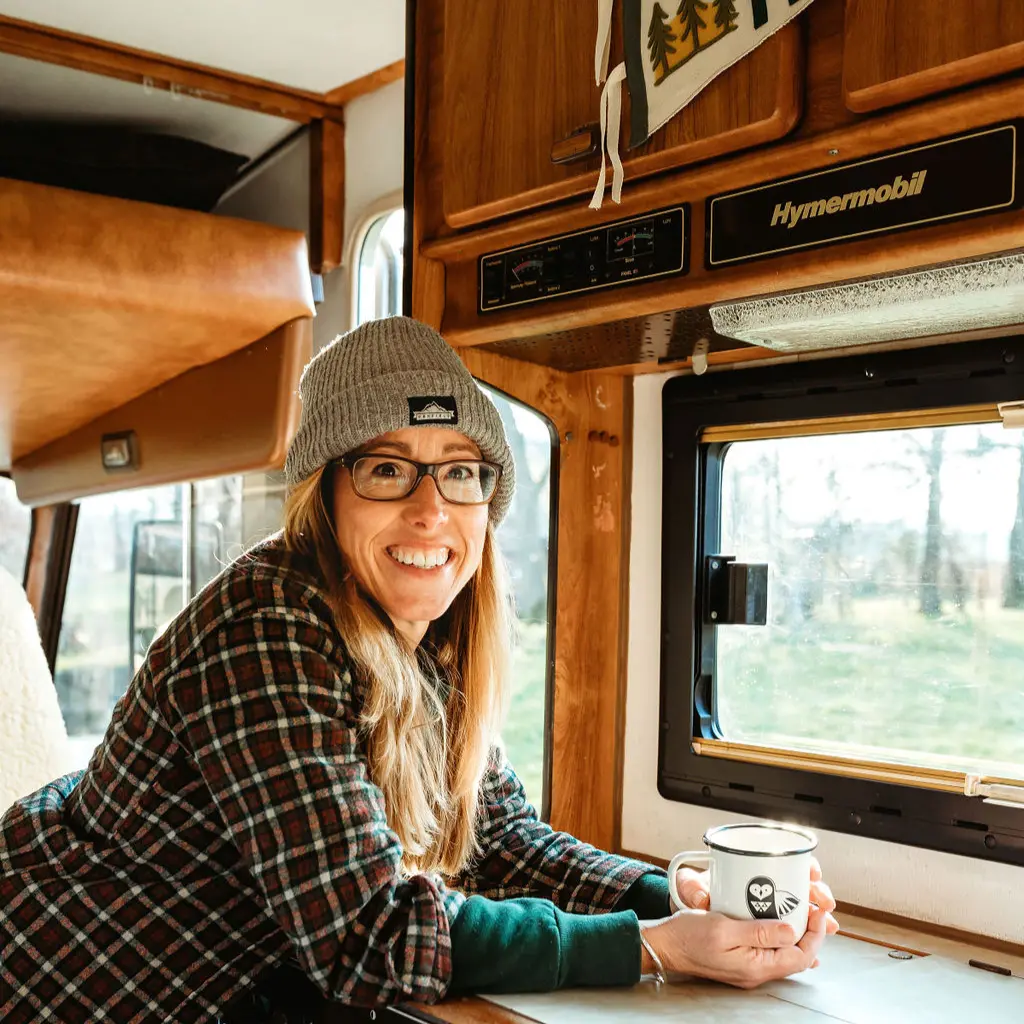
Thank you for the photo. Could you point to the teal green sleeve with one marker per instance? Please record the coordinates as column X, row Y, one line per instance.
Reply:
column 529, row 945
column 647, row 897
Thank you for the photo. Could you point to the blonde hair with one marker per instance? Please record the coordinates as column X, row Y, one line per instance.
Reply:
column 425, row 752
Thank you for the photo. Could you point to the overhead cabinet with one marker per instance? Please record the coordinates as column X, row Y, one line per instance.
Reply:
column 901, row 50
column 519, row 96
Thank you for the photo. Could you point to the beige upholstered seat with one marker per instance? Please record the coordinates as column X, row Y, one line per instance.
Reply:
column 33, row 741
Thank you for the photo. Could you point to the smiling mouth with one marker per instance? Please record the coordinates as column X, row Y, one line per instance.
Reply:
column 419, row 559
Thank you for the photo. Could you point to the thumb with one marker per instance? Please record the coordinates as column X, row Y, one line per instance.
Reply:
column 693, row 889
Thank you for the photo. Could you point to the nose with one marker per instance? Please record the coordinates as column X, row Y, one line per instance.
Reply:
column 425, row 507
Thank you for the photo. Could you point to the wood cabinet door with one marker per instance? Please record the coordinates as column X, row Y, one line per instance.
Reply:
column 519, row 77
column 895, row 51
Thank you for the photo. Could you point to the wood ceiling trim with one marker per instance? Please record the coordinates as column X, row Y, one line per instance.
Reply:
column 368, row 83
column 84, row 53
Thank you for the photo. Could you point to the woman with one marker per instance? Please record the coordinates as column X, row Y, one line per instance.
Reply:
column 303, row 781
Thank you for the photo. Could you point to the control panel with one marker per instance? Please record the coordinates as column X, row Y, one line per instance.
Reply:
column 654, row 245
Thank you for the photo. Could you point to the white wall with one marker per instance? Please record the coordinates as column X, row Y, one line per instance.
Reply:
column 958, row 892
column 278, row 193
column 374, row 149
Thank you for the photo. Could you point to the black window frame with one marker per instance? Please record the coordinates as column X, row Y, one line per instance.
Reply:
column 946, row 376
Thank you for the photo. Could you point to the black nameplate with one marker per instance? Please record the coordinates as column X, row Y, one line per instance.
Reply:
column 951, row 178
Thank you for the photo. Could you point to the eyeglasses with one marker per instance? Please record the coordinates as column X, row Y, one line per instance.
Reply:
column 389, row 478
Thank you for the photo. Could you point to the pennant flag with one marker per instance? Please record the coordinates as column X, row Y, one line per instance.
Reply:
column 674, row 48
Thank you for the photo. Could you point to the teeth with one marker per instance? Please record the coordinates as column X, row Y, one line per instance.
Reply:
column 420, row 559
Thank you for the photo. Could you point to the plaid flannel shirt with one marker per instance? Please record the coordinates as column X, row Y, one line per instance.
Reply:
column 227, row 823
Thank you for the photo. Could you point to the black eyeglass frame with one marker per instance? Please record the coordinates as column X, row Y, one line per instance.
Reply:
column 422, row 469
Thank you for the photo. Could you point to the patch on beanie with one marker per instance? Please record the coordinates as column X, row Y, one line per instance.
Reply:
column 432, row 409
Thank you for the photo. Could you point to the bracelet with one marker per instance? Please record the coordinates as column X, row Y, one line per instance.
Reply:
column 659, row 970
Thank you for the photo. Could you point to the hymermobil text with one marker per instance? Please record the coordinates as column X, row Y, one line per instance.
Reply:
column 790, row 214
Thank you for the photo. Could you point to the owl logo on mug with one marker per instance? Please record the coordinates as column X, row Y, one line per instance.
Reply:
column 765, row 900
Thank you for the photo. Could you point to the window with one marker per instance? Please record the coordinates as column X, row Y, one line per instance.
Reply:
column 138, row 558
column 886, row 499
column 15, row 530
column 524, row 535
column 378, row 285
column 896, row 626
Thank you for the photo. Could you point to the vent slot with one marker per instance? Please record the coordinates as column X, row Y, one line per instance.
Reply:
column 892, row 812
column 975, row 826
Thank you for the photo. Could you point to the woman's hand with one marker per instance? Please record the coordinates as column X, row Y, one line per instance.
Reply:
column 693, row 890
column 741, row 953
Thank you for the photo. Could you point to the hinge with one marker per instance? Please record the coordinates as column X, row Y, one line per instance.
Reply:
column 1003, row 794
column 1012, row 414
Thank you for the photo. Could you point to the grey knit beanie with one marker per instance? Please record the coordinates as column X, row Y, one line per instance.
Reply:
column 386, row 375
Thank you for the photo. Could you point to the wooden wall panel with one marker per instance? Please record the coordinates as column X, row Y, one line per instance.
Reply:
column 424, row 166
column 592, row 559
column 326, row 195
column 901, row 50
column 39, row 556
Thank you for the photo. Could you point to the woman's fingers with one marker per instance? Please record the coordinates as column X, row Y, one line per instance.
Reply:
column 787, row 960
column 780, row 959
column 693, row 888
column 815, row 870
column 822, row 895
column 817, row 928
column 759, row 934
column 741, row 953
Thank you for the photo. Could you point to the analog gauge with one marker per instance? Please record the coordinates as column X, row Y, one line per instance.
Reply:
column 643, row 240
column 527, row 271
column 620, row 243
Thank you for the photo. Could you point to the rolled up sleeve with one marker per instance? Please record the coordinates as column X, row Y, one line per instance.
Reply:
column 521, row 856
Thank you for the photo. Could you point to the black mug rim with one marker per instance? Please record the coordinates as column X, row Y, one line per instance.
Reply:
column 810, row 839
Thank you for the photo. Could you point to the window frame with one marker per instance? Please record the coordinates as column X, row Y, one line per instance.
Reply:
column 376, row 211
column 946, row 377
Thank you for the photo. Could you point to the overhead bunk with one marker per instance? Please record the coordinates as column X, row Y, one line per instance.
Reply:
column 141, row 344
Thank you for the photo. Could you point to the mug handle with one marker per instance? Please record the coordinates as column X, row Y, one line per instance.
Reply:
column 686, row 857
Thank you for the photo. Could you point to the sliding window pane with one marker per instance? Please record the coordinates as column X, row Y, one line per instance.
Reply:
column 896, row 596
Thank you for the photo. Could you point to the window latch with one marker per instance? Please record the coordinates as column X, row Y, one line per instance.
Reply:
column 1002, row 794
column 1012, row 414
column 735, row 593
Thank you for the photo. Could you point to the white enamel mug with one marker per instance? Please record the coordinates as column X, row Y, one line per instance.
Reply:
column 758, row 870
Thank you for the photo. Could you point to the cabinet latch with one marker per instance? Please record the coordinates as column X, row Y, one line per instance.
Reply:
column 579, row 144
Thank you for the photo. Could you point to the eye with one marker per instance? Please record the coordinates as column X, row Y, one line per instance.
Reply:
column 460, row 471
column 386, row 470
